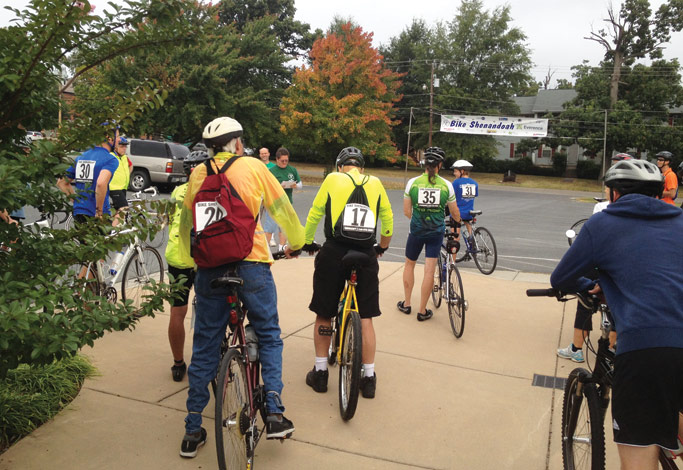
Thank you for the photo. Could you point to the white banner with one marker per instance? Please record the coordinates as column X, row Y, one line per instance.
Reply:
column 494, row 125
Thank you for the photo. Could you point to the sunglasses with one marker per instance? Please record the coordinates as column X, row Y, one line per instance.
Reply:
column 660, row 159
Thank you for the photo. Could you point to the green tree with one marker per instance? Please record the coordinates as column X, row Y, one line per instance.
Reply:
column 634, row 33
column 44, row 313
column 481, row 62
column 345, row 97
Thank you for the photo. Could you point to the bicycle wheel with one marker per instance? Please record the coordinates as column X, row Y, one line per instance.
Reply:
column 232, row 413
column 138, row 274
column 438, row 279
column 349, row 367
column 161, row 236
column 486, row 255
column 334, row 342
column 456, row 301
column 464, row 246
column 69, row 222
column 583, row 433
column 92, row 284
column 576, row 228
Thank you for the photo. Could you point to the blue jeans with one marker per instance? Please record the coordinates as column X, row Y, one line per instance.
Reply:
column 259, row 297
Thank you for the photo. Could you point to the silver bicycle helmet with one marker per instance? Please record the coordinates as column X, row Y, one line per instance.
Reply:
column 350, row 156
column 634, row 170
column 462, row 165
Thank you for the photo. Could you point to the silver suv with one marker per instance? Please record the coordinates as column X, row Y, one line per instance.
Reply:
column 156, row 162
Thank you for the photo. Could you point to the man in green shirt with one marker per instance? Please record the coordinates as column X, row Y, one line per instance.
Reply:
column 264, row 155
column 288, row 178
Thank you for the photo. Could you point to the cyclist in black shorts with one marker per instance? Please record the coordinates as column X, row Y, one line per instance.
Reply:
column 180, row 263
column 636, row 245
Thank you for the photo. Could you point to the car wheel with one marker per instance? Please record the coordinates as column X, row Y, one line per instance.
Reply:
column 139, row 180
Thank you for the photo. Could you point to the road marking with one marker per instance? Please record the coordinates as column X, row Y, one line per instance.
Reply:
column 527, row 257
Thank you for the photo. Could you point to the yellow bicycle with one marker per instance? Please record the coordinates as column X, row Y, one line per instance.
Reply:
column 346, row 346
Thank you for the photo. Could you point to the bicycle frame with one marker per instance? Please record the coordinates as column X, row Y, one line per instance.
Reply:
column 350, row 303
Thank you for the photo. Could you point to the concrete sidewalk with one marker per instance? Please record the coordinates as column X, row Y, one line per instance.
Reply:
column 441, row 403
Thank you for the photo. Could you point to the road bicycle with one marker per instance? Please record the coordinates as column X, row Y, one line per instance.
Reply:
column 346, row 345
column 479, row 246
column 240, row 397
column 448, row 284
column 587, row 396
column 139, row 202
column 138, row 267
column 574, row 230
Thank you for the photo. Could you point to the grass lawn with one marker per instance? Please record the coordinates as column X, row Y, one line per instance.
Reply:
column 393, row 178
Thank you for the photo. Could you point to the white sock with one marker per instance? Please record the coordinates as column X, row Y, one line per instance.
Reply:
column 369, row 370
column 320, row 363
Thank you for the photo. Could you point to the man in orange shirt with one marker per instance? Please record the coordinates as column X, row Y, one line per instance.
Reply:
column 670, row 179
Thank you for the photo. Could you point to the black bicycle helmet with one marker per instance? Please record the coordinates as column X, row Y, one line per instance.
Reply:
column 434, row 155
column 665, row 155
column 196, row 157
column 350, row 156
column 621, row 156
column 220, row 131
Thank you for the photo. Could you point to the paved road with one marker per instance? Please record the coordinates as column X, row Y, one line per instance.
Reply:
column 528, row 225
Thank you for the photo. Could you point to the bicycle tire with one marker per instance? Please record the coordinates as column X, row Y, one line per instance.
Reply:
column 456, row 301
column 486, row 254
column 137, row 274
column 437, row 293
column 349, row 366
column 92, row 283
column 576, row 228
column 232, row 413
column 69, row 222
column 464, row 245
column 583, row 432
column 160, row 238
column 334, row 342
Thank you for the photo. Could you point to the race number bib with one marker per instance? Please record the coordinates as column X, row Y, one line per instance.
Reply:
column 85, row 171
column 428, row 198
column 468, row 190
column 358, row 218
column 206, row 213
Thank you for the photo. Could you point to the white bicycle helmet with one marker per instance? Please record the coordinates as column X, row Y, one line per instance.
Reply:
column 462, row 165
column 220, row 131
column 634, row 170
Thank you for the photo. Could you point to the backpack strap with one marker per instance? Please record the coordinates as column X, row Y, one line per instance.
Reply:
column 366, row 178
column 209, row 166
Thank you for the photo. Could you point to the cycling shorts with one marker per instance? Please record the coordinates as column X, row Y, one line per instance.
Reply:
column 432, row 246
column 184, row 290
column 647, row 396
column 118, row 198
column 329, row 278
column 584, row 318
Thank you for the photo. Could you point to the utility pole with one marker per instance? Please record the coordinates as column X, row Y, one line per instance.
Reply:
column 410, row 126
column 431, row 103
column 604, row 147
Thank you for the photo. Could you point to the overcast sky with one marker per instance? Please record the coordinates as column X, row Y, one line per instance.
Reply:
column 554, row 28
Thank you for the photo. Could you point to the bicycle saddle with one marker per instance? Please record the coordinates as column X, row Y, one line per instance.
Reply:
column 226, row 281
column 355, row 258
column 475, row 213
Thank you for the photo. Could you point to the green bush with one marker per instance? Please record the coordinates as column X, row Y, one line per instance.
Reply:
column 587, row 169
column 559, row 163
column 32, row 395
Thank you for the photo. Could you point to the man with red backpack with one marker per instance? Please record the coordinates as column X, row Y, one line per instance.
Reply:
column 222, row 204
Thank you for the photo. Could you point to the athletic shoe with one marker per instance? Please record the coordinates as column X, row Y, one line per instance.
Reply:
column 317, row 380
column 403, row 308
column 192, row 442
column 368, row 385
column 178, row 372
column 424, row 316
column 272, row 241
column 278, row 427
column 568, row 353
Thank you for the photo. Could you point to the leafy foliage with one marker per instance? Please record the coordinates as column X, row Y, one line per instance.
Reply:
column 481, row 63
column 45, row 313
column 344, row 98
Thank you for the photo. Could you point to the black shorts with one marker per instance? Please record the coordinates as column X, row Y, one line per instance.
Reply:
column 329, row 279
column 647, row 396
column 118, row 198
column 584, row 318
column 184, row 290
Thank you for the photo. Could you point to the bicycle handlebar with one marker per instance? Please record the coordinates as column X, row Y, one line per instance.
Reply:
column 281, row 254
column 543, row 293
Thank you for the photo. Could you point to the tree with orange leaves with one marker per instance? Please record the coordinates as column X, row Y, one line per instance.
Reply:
column 344, row 98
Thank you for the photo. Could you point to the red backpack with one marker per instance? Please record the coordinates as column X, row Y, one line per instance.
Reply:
column 223, row 224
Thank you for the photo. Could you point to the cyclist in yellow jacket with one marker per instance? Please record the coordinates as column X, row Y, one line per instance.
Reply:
column 120, row 179
column 343, row 234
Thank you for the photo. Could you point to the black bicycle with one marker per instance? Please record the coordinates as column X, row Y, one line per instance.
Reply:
column 587, row 396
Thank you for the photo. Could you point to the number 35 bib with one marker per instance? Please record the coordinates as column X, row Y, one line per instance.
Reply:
column 428, row 198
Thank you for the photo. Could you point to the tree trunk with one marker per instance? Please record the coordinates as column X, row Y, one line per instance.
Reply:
column 616, row 75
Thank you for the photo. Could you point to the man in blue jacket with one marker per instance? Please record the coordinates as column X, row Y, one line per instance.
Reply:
column 637, row 247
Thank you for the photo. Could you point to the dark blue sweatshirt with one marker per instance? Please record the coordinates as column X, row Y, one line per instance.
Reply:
column 636, row 244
